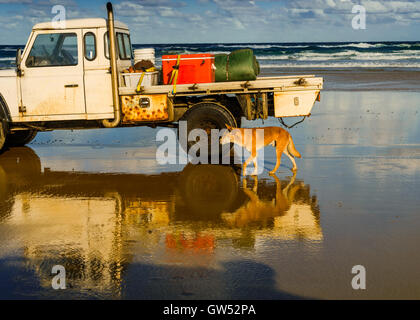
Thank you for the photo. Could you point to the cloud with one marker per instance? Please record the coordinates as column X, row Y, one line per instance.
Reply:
column 130, row 9
column 15, row 1
column 231, row 20
column 238, row 24
column 159, row 3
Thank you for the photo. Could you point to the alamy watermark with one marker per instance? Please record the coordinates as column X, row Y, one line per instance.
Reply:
column 359, row 280
column 359, row 20
column 214, row 147
column 59, row 280
column 59, row 20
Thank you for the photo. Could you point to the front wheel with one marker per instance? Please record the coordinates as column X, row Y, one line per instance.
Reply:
column 20, row 138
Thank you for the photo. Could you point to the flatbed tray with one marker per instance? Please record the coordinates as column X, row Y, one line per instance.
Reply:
column 262, row 84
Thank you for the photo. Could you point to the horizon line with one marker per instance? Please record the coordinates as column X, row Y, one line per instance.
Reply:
column 288, row 42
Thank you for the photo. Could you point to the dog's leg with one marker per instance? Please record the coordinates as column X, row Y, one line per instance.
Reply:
column 251, row 192
column 278, row 187
column 280, row 202
column 244, row 183
column 286, row 152
column 255, row 187
column 254, row 155
column 292, row 192
column 291, row 182
column 255, row 173
column 245, row 165
column 279, row 152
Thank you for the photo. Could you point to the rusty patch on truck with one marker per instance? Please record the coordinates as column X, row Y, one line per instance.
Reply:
column 145, row 108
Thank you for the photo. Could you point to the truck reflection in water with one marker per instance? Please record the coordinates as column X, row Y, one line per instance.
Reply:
column 96, row 225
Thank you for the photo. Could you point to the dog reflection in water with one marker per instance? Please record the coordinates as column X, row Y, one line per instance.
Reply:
column 274, row 136
column 257, row 210
column 291, row 214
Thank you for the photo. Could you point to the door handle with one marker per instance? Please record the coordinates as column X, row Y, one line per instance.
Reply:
column 71, row 86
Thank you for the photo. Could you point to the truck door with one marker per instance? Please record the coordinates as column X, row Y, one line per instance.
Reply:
column 98, row 85
column 52, row 81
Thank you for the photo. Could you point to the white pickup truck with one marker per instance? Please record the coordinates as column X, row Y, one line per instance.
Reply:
column 72, row 79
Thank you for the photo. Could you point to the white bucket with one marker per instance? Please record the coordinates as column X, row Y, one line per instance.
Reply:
column 144, row 54
column 132, row 79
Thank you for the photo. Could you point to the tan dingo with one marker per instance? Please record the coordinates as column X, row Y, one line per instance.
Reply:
column 275, row 136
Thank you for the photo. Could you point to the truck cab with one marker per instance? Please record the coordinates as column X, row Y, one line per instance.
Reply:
column 59, row 66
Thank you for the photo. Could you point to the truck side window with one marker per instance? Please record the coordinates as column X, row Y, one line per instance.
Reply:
column 90, row 46
column 127, row 46
column 124, row 46
column 53, row 50
column 121, row 46
column 106, row 42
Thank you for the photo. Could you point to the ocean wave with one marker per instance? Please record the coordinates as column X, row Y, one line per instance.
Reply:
column 362, row 45
column 344, row 55
column 274, row 57
column 252, row 46
column 341, row 65
column 407, row 45
column 191, row 52
column 8, row 49
column 263, row 46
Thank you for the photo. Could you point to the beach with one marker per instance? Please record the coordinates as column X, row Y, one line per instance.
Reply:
column 126, row 227
column 98, row 203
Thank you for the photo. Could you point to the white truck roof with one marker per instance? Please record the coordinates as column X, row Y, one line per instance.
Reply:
column 81, row 24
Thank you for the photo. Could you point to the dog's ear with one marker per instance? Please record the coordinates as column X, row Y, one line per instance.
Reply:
column 228, row 127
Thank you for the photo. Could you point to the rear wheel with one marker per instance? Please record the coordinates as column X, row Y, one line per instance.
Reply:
column 207, row 191
column 20, row 170
column 20, row 138
column 207, row 116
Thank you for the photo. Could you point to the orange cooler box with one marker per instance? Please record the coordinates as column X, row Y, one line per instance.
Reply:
column 193, row 68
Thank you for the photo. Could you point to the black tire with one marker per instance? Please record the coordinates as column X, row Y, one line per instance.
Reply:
column 20, row 138
column 22, row 166
column 207, row 191
column 207, row 116
column 2, row 137
column 20, row 170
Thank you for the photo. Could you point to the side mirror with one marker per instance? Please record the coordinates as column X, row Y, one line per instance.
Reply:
column 18, row 60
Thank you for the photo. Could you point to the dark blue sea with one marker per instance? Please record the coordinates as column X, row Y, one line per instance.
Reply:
column 293, row 55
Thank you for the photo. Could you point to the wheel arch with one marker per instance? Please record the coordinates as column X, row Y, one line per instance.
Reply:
column 214, row 102
column 235, row 108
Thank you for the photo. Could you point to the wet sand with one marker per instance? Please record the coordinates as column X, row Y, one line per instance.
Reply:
column 97, row 203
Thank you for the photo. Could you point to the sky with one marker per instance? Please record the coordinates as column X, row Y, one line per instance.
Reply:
column 227, row 21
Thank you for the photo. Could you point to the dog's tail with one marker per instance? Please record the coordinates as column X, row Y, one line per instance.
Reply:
column 291, row 148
